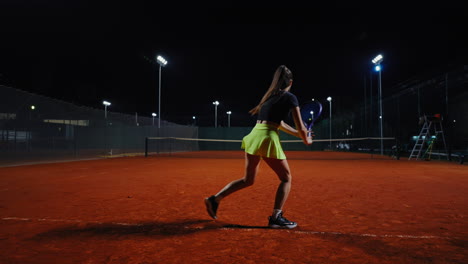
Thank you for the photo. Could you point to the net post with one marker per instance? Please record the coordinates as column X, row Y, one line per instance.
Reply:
column 146, row 147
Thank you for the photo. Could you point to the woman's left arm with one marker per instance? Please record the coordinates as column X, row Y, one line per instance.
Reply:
column 301, row 132
column 288, row 129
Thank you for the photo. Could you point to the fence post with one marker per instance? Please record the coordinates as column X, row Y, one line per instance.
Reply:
column 146, row 147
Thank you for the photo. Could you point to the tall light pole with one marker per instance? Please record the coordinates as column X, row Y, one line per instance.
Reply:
column 229, row 118
column 32, row 109
column 106, row 104
column 153, row 114
column 377, row 60
column 329, row 99
column 162, row 62
column 216, row 103
column 194, row 120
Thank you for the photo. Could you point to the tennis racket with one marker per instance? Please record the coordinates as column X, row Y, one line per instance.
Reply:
column 310, row 112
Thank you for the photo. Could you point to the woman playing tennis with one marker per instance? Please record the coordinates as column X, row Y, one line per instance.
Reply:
column 263, row 143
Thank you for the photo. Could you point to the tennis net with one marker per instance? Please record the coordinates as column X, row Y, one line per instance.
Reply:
column 344, row 148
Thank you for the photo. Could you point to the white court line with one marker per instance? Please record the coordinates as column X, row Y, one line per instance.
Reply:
column 349, row 234
column 235, row 229
column 66, row 221
column 46, row 162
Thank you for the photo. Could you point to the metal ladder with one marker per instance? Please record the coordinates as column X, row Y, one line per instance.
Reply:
column 425, row 135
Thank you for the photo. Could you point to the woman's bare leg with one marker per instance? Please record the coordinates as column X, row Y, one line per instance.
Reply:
column 281, row 168
column 251, row 169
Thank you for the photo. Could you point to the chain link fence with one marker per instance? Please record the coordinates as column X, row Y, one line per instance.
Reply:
column 35, row 128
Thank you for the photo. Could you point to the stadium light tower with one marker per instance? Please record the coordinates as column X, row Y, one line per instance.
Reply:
column 377, row 60
column 162, row 62
column 216, row 103
column 329, row 99
column 229, row 118
column 106, row 104
column 153, row 114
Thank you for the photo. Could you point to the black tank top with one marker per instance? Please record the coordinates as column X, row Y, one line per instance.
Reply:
column 277, row 107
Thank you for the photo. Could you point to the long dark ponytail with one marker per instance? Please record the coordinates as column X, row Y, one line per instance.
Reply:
column 281, row 79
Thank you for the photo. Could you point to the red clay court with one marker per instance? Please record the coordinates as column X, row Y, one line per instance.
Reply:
column 350, row 209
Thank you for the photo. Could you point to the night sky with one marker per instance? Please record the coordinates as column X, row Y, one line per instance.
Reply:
column 84, row 53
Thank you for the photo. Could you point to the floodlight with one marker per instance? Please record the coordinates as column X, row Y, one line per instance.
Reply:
column 377, row 59
column 161, row 60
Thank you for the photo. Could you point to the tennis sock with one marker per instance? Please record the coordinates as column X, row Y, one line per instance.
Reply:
column 276, row 212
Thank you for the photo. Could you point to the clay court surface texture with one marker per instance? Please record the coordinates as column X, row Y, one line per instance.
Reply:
column 350, row 208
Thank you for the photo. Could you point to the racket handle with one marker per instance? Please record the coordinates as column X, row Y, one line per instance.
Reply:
column 309, row 130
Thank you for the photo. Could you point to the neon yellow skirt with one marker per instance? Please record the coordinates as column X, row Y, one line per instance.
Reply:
column 264, row 141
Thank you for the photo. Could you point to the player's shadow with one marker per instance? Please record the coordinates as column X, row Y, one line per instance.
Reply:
column 150, row 229
column 183, row 227
column 380, row 248
column 234, row 226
